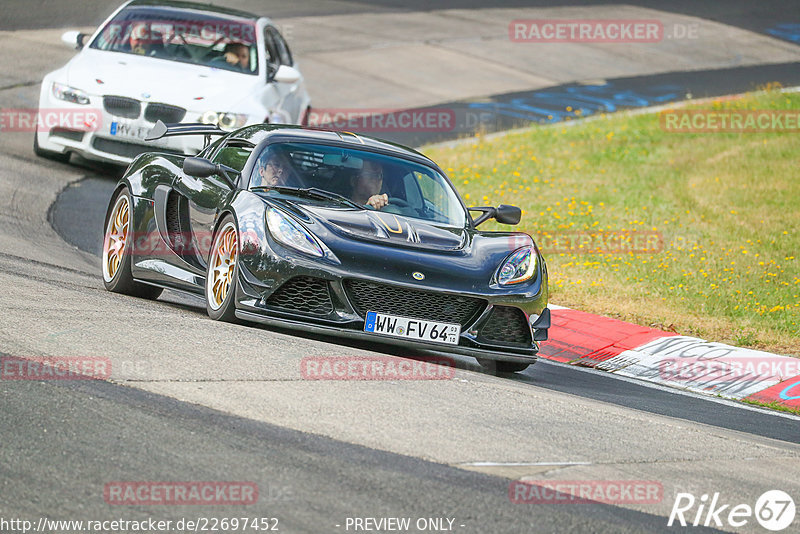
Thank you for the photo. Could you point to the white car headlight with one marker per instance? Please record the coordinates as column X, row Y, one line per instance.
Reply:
column 70, row 94
column 518, row 267
column 279, row 117
column 226, row 121
column 292, row 234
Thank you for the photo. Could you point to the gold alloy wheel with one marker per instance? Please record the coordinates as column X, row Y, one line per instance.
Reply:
column 222, row 266
column 116, row 238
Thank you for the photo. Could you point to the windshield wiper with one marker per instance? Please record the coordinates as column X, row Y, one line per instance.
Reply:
column 311, row 192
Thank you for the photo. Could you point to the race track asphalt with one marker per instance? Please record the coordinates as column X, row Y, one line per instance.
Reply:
column 198, row 400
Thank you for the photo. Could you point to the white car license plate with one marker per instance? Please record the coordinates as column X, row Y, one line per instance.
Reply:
column 416, row 329
column 128, row 130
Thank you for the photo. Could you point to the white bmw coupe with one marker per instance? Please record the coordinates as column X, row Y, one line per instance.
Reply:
column 172, row 61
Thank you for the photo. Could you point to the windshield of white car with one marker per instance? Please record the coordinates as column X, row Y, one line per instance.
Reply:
column 184, row 36
column 368, row 179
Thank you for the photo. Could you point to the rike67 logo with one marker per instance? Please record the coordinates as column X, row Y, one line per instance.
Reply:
column 774, row 510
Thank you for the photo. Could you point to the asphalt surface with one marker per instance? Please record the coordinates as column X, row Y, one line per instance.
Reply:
column 296, row 473
column 518, row 109
column 198, row 400
column 754, row 16
column 78, row 217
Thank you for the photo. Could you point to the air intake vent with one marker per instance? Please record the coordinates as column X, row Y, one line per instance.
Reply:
column 303, row 294
column 414, row 303
column 122, row 106
column 506, row 325
column 164, row 112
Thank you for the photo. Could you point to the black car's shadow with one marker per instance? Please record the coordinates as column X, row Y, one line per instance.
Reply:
column 79, row 211
column 195, row 304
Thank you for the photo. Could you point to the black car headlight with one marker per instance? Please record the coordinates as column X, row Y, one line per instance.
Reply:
column 518, row 267
column 288, row 232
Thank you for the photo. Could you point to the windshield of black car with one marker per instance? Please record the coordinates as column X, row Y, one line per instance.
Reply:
column 185, row 36
column 409, row 188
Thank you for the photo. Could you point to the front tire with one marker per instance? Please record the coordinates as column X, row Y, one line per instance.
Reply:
column 503, row 367
column 222, row 272
column 117, row 248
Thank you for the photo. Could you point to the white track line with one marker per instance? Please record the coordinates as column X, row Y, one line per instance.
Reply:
column 523, row 464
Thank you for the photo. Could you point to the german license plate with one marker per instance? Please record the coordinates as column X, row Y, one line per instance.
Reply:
column 128, row 130
column 416, row 329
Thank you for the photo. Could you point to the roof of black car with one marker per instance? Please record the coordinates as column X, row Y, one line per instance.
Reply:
column 287, row 133
column 178, row 4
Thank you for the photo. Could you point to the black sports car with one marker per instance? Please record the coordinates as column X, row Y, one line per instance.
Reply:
column 328, row 232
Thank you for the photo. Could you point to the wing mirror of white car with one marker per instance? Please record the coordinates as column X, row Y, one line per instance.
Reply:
column 286, row 74
column 74, row 39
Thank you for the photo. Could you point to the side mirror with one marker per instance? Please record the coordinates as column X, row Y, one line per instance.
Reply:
column 504, row 214
column 286, row 74
column 74, row 39
column 203, row 168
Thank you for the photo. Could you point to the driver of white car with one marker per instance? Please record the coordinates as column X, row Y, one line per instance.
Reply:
column 144, row 41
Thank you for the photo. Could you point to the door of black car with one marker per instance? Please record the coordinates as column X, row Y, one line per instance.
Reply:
column 207, row 195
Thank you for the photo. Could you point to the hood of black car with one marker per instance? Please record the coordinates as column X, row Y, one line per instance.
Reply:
column 379, row 226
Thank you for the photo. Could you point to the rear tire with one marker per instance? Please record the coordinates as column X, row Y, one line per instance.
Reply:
column 117, row 245
column 61, row 157
column 222, row 272
column 503, row 367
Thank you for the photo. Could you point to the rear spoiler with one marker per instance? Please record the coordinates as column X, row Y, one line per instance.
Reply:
column 184, row 128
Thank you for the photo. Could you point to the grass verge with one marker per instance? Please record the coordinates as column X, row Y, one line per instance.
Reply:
column 693, row 232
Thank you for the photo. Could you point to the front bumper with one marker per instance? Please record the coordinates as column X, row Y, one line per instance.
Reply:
column 344, row 317
column 107, row 137
column 350, row 333
column 102, row 145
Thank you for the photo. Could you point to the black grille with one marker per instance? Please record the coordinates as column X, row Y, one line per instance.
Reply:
column 66, row 133
column 126, row 150
column 369, row 296
column 164, row 112
column 506, row 325
column 122, row 106
column 303, row 294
